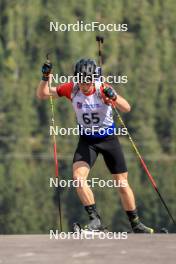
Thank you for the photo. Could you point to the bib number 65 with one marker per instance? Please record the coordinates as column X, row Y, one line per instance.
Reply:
column 91, row 118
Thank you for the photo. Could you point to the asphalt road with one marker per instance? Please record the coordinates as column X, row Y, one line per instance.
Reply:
column 40, row 249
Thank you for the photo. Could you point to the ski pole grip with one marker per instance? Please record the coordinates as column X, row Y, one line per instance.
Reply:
column 100, row 39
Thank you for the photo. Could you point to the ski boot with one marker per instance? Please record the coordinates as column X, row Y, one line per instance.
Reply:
column 95, row 224
column 139, row 227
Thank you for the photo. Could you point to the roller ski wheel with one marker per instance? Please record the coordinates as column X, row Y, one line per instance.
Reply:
column 164, row 230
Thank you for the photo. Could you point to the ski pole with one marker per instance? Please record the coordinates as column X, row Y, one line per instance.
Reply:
column 54, row 146
column 101, row 39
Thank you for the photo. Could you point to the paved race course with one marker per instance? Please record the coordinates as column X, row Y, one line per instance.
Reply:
column 39, row 249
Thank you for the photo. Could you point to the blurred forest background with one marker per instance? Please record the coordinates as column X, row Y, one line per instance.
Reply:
column 146, row 54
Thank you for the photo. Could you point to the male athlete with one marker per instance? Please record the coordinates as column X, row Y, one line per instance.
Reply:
column 92, row 103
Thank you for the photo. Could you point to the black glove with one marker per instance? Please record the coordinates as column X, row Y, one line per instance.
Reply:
column 46, row 70
column 110, row 93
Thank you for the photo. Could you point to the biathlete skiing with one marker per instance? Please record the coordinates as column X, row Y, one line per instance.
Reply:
column 93, row 104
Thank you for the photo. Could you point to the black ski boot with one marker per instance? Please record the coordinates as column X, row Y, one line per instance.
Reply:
column 139, row 227
column 95, row 220
column 94, row 224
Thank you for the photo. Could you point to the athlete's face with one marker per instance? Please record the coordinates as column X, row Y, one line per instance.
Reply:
column 86, row 87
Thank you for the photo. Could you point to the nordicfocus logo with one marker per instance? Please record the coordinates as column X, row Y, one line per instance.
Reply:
column 80, row 130
column 88, row 106
column 94, row 182
column 81, row 26
column 119, row 79
column 55, row 234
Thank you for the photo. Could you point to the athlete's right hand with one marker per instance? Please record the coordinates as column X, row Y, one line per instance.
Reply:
column 46, row 70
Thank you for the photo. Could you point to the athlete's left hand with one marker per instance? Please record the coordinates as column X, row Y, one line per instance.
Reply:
column 108, row 101
column 109, row 96
column 110, row 93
